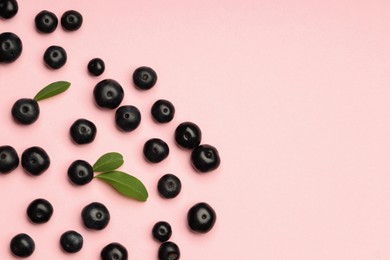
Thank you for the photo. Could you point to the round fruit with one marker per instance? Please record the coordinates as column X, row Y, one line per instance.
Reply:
column 168, row 251
column 108, row 93
column 114, row 251
column 22, row 245
column 163, row 111
column 25, row 111
column 96, row 67
column 39, row 211
column 201, row 217
column 83, row 131
column 35, row 160
column 205, row 158
column 144, row 78
column 169, row 186
column 8, row 8
column 55, row 57
column 162, row 231
column 9, row 159
column 127, row 118
column 80, row 172
column 95, row 216
column 71, row 241
column 155, row 150
column 10, row 47
column 188, row 135
column 46, row 22
column 71, row 20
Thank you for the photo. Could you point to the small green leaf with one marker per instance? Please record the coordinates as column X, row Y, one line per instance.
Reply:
column 108, row 162
column 125, row 184
column 52, row 89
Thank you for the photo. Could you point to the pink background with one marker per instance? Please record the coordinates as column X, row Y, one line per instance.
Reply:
column 294, row 94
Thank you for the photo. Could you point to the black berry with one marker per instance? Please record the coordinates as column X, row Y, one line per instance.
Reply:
column 168, row 251
column 201, row 217
column 114, row 251
column 95, row 216
column 144, row 78
column 108, row 93
column 169, row 186
column 80, row 172
column 188, row 135
column 155, row 150
column 96, row 67
column 71, row 241
column 22, row 245
column 10, row 47
column 205, row 158
column 71, row 20
column 163, row 111
column 127, row 118
column 55, row 57
column 39, row 211
column 46, row 22
column 162, row 231
column 9, row 159
column 83, row 131
column 35, row 160
column 25, row 111
column 8, row 8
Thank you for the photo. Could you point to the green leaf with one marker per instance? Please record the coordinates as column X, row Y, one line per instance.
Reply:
column 108, row 162
column 52, row 89
column 125, row 184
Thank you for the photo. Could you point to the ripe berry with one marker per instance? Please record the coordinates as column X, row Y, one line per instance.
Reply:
column 108, row 93
column 95, row 216
column 144, row 78
column 25, row 111
column 114, row 251
column 10, row 47
column 8, row 8
column 163, row 111
column 127, row 118
column 205, row 158
column 188, row 135
column 9, row 159
column 96, row 67
column 155, row 150
column 39, row 211
column 80, row 172
column 55, row 57
column 71, row 241
column 83, row 131
column 22, row 245
column 201, row 217
column 35, row 160
column 169, row 186
column 71, row 20
column 46, row 22
column 162, row 231
column 168, row 251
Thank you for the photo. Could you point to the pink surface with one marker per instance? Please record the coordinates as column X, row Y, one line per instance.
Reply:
column 294, row 94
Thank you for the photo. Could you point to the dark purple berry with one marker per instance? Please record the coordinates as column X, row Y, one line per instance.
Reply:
column 127, row 118
column 163, row 111
column 11, row 47
column 71, row 20
column 205, row 158
column 162, row 231
column 169, row 186
column 168, row 251
column 188, row 135
column 55, row 57
column 83, row 131
column 71, row 241
column 144, row 78
column 201, row 217
column 114, row 251
column 95, row 216
column 96, row 67
column 46, row 22
column 35, row 160
column 9, row 159
column 80, row 172
column 155, row 150
column 108, row 93
column 25, row 111
column 8, row 8
column 39, row 211
column 22, row 245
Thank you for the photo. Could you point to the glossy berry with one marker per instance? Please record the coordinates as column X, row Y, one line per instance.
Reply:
column 35, row 160
column 144, row 78
column 169, row 186
column 8, row 8
column 95, row 216
column 168, row 251
column 71, row 20
column 39, row 211
column 46, row 22
column 205, row 158
column 55, row 57
column 71, row 241
column 201, row 217
column 163, row 111
column 22, row 245
column 162, row 231
column 188, row 135
column 96, row 67
column 80, row 172
column 11, row 47
column 9, row 159
column 108, row 93
column 25, row 111
column 83, row 131
column 114, row 251
column 155, row 150
column 127, row 118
